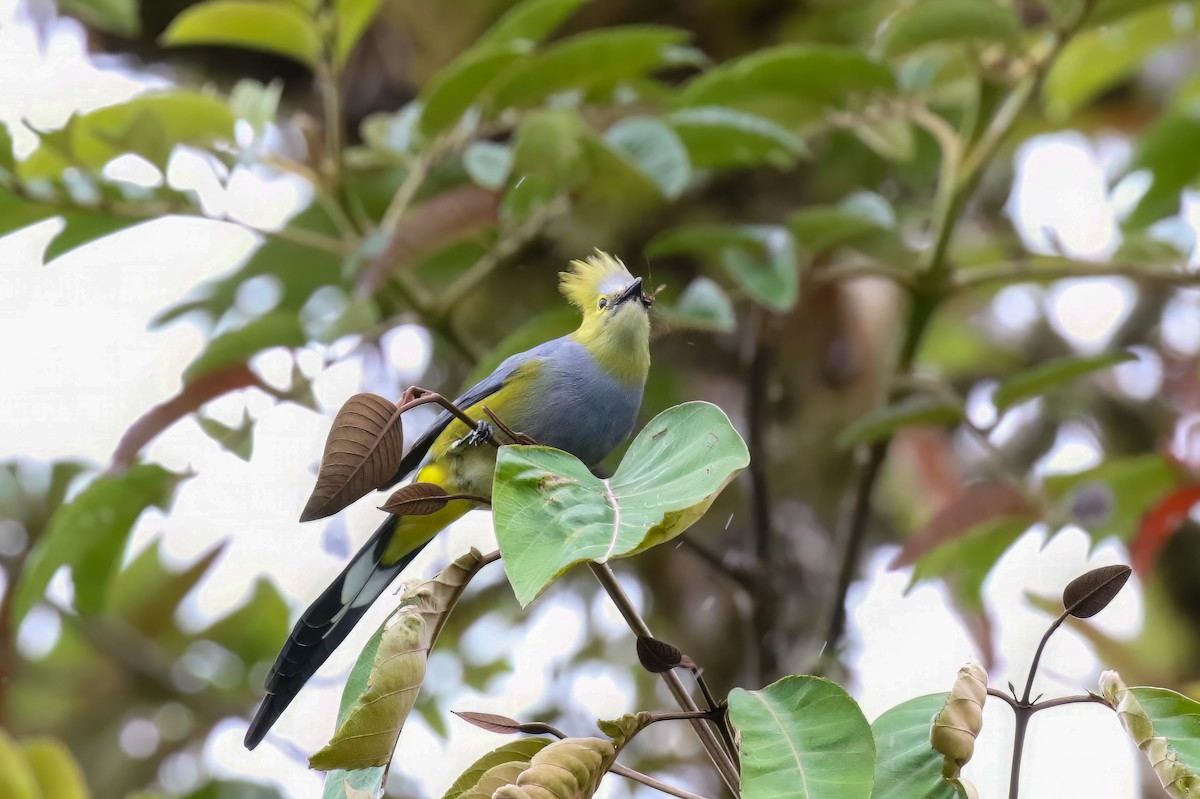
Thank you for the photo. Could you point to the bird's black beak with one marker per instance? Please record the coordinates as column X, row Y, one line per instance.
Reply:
column 634, row 292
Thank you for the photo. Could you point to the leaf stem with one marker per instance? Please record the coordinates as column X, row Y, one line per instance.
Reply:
column 647, row 780
column 721, row 759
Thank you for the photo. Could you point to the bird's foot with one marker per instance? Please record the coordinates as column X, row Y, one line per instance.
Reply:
column 482, row 434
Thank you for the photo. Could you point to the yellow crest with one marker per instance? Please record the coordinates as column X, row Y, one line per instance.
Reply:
column 586, row 281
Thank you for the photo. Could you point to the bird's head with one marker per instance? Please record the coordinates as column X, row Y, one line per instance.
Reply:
column 616, row 321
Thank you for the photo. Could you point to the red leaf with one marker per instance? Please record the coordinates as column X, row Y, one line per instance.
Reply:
column 976, row 503
column 1159, row 524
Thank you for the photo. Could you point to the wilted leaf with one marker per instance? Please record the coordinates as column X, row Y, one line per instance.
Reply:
column 89, row 534
column 531, row 20
column 1165, row 726
column 568, row 769
column 551, row 512
column 722, row 137
column 369, row 727
column 1090, row 593
column 1039, row 379
column 882, row 423
column 959, row 722
column 655, row 150
column 976, row 503
column 513, row 754
column 362, row 453
column 942, row 21
column 55, row 769
column 280, row 28
column 802, row 738
column 907, row 766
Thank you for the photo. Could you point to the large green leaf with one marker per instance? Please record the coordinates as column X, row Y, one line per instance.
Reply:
column 80, row 227
column 862, row 221
column 1043, row 377
column 280, row 28
column 761, row 259
column 722, row 137
column 552, row 513
column 906, row 766
column 89, row 535
column 591, row 61
column 373, row 715
column 531, row 20
column 252, row 632
column 1169, row 153
column 275, row 329
column 146, row 594
column 513, row 753
column 919, row 409
column 802, row 738
column 461, row 84
column 655, row 150
column 942, row 21
column 1165, row 725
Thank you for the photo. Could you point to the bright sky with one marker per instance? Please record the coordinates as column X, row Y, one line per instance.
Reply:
column 83, row 366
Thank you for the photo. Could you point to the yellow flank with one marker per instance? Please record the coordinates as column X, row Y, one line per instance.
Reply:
column 413, row 531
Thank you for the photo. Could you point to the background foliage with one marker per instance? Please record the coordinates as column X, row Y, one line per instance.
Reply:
column 822, row 189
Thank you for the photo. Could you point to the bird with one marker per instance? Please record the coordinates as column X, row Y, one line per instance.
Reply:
column 580, row 393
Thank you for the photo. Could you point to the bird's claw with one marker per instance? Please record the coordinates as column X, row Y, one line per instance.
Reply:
column 482, row 434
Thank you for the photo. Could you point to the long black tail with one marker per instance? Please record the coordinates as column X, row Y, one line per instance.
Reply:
column 326, row 624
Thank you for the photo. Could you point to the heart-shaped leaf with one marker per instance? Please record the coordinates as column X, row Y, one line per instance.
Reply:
column 1090, row 593
column 362, row 453
column 551, row 512
column 906, row 765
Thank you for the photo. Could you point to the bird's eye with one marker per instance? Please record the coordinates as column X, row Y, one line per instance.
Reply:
column 603, row 303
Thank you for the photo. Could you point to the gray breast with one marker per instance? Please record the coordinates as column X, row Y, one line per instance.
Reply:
column 580, row 408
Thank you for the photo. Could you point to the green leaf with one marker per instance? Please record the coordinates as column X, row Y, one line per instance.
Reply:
column 7, row 156
column 462, row 83
column 111, row 16
column 802, row 738
column 488, row 163
column 279, row 28
column 548, row 145
column 906, row 766
column 354, row 17
column 252, row 632
column 255, row 102
column 368, row 730
column 761, row 259
column 234, row 789
column 722, row 137
column 1168, row 152
column 656, row 151
column 89, row 534
column 589, row 62
column 1165, row 725
column 17, row 779
column 343, row 784
column 532, row 20
column 238, row 440
column 145, row 594
column 552, row 513
column 814, row 76
column 56, row 770
column 702, row 306
column 1043, row 377
column 942, row 21
column 1098, row 59
column 881, row 423
column 513, row 752
column 1111, row 499
column 863, row 221
column 275, row 329
column 966, row 561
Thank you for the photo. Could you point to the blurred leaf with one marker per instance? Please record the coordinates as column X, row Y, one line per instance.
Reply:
column 722, row 137
column 863, row 221
column 1096, row 60
column 462, row 83
column 234, row 789
column 1165, row 725
column 146, row 594
column 7, row 156
column 588, row 62
column 942, row 21
column 892, row 139
column 343, row 784
column 802, row 738
column 280, row 28
column 965, row 562
column 1168, row 152
column 252, row 632
column 84, row 227
column 571, row 768
column 57, row 772
column 275, row 329
column 1107, row 11
column 367, row 734
column 1111, row 499
column 531, row 20
column 237, row 440
column 919, row 409
column 1043, row 377
column 111, row 16
column 89, row 534
column 353, row 17
column 976, row 503
column 818, row 76
column 552, row 513
column 548, row 145
column 655, row 150
column 1091, row 592
column 17, row 778
column 255, row 102
column 906, row 766
column 702, row 306
column 1159, row 523
column 761, row 259
column 489, row 164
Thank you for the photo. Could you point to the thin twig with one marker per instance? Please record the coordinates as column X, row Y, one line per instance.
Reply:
column 647, row 780
column 721, row 759
column 1050, row 269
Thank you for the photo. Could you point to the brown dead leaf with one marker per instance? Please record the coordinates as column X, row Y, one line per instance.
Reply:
column 362, row 453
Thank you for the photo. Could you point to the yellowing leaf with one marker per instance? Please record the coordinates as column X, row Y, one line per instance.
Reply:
column 512, row 754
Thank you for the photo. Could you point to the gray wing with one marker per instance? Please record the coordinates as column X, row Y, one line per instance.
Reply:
column 481, row 390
